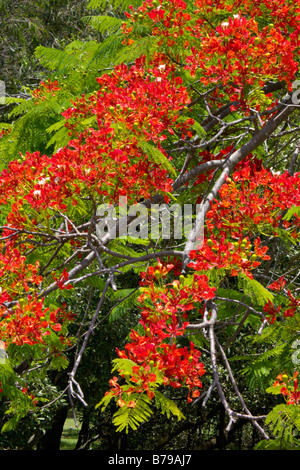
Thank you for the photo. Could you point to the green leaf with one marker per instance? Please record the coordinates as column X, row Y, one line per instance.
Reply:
column 262, row 366
column 60, row 139
column 104, row 23
column 278, row 444
column 136, row 241
column 124, row 366
column 59, row 362
column 4, row 125
column 95, row 281
column 131, row 417
column 54, row 59
column 283, row 419
column 199, row 129
column 167, row 406
column 105, row 401
column 10, row 100
column 294, row 210
column 144, row 46
column 123, row 306
column 274, row 390
column 196, row 126
column 114, row 4
column 56, row 126
column 258, row 294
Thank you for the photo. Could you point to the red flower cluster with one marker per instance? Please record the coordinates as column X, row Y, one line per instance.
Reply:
column 105, row 161
column 237, row 53
column 291, row 392
column 28, row 322
column 277, row 285
column 234, row 257
column 285, row 14
column 4, row 132
column 290, row 306
column 101, row 162
column 46, row 89
column 23, row 317
column 158, row 359
column 254, row 199
column 244, row 53
column 30, row 396
column 62, row 280
column 168, row 19
column 272, row 312
column 16, row 274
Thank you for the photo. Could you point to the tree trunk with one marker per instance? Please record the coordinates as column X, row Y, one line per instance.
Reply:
column 84, row 431
column 51, row 440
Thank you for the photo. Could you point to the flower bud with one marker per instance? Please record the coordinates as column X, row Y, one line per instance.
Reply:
column 157, row 274
column 175, row 286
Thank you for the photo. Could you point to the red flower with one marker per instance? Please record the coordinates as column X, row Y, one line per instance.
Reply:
column 277, row 285
column 62, row 280
column 291, row 392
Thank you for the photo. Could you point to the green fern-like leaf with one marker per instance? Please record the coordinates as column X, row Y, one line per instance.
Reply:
column 12, row 100
column 104, row 23
column 144, row 46
column 196, row 126
column 278, row 444
column 105, row 401
column 123, row 366
column 283, row 420
column 136, row 241
column 129, row 297
column 115, row 4
column 294, row 210
column 105, row 53
column 167, row 406
column 59, row 139
column 157, row 156
column 262, row 367
column 20, row 404
column 132, row 417
column 54, row 59
column 258, row 294
column 22, row 108
column 119, row 247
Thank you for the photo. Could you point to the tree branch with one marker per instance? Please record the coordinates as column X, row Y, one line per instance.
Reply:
column 228, row 167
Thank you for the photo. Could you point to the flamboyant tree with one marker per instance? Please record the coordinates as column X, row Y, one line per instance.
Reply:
column 205, row 118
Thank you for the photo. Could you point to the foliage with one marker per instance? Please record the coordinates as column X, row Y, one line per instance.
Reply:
column 24, row 27
column 283, row 419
